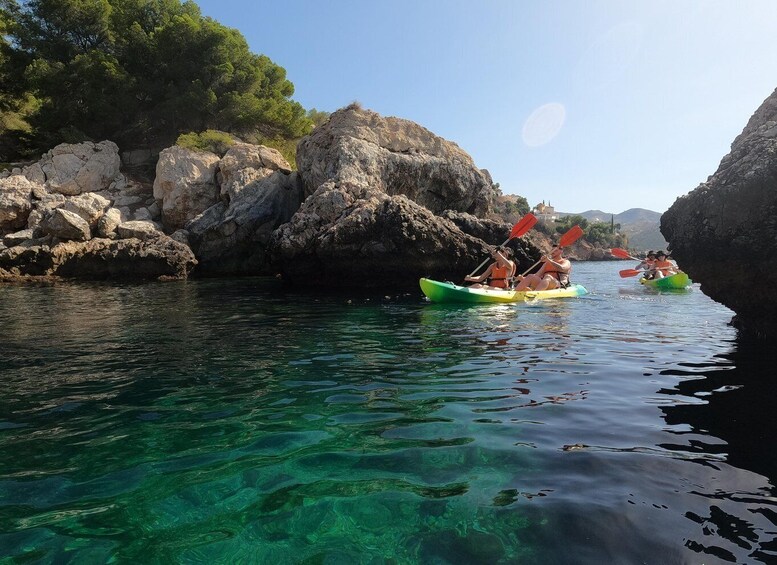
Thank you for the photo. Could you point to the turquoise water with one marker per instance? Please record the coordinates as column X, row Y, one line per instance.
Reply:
column 225, row 421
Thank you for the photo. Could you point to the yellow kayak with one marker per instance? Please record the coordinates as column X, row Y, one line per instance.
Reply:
column 448, row 292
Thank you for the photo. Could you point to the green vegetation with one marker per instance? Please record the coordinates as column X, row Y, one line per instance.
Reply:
column 509, row 208
column 600, row 234
column 138, row 72
column 217, row 142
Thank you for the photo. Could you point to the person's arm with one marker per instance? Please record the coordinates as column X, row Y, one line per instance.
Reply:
column 482, row 277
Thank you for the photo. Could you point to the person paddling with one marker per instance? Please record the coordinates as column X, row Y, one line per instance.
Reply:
column 663, row 267
column 647, row 264
column 554, row 273
column 499, row 274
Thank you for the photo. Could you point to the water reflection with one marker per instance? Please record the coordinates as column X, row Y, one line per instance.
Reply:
column 735, row 517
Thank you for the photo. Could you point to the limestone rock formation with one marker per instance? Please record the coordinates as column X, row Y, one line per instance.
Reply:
column 231, row 237
column 724, row 233
column 337, row 239
column 50, row 210
column 377, row 187
column 359, row 147
column 99, row 259
column 185, row 183
column 66, row 225
column 15, row 202
column 71, row 169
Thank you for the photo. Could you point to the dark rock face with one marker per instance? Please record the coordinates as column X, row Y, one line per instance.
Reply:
column 99, row 259
column 338, row 240
column 231, row 237
column 724, row 233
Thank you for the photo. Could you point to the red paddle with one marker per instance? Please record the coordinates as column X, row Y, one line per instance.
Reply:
column 520, row 228
column 621, row 254
column 571, row 236
column 630, row 272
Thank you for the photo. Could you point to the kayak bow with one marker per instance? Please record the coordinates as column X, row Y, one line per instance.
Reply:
column 676, row 281
column 452, row 293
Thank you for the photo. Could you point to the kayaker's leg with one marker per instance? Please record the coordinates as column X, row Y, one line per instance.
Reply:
column 528, row 282
column 547, row 283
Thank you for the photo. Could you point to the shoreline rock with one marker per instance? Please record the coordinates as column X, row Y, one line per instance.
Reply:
column 724, row 233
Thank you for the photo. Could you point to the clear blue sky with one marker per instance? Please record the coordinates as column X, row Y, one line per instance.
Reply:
column 610, row 104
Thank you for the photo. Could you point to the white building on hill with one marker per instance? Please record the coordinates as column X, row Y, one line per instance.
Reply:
column 545, row 212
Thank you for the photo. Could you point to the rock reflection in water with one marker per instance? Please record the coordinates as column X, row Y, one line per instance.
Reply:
column 738, row 522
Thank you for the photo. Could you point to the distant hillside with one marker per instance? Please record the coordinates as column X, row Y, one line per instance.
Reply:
column 639, row 224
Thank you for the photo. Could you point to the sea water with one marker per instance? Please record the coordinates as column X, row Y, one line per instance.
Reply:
column 226, row 421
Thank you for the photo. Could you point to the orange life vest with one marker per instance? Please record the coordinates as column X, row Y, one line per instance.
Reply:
column 664, row 266
column 499, row 276
column 561, row 276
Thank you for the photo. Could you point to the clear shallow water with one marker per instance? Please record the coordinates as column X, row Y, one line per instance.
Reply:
column 229, row 421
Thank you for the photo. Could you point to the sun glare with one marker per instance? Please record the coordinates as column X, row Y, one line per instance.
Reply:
column 544, row 124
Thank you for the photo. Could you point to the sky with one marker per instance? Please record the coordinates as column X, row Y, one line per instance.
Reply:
column 583, row 104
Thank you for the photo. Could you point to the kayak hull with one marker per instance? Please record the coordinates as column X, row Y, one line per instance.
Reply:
column 445, row 292
column 672, row 282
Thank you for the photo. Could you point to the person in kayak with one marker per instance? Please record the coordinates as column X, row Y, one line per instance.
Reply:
column 554, row 273
column 663, row 267
column 499, row 274
column 647, row 264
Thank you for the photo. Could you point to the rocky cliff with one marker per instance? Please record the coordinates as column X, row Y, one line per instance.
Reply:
column 376, row 201
column 74, row 214
column 724, row 233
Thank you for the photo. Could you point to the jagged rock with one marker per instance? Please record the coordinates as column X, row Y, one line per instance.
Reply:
column 100, row 259
column 109, row 222
column 139, row 229
column 245, row 155
column 124, row 259
column 15, row 202
column 724, row 233
column 494, row 233
column 232, row 238
column 181, row 236
column 360, row 148
column 90, row 206
column 142, row 214
column 336, row 239
column 13, row 239
column 66, row 225
column 185, row 183
column 71, row 169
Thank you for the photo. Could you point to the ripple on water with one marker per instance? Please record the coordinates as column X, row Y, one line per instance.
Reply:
column 229, row 421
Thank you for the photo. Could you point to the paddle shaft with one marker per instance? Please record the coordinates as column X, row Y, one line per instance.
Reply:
column 519, row 229
column 472, row 274
column 568, row 238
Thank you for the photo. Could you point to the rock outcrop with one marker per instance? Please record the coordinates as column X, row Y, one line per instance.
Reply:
column 185, row 183
column 724, row 233
column 377, row 188
column 338, row 239
column 99, row 259
column 50, row 210
column 394, row 156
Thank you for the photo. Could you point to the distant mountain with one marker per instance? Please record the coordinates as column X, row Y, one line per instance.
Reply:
column 639, row 224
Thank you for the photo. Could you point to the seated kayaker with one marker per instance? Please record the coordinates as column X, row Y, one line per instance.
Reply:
column 499, row 274
column 554, row 273
column 647, row 264
column 663, row 267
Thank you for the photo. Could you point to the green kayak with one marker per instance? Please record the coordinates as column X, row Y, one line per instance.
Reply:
column 676, row 281
column 448, row 292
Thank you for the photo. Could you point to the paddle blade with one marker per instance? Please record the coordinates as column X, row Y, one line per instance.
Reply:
column 572, row 235
column 620, row 253
column 630, row 273
column 523, row 225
